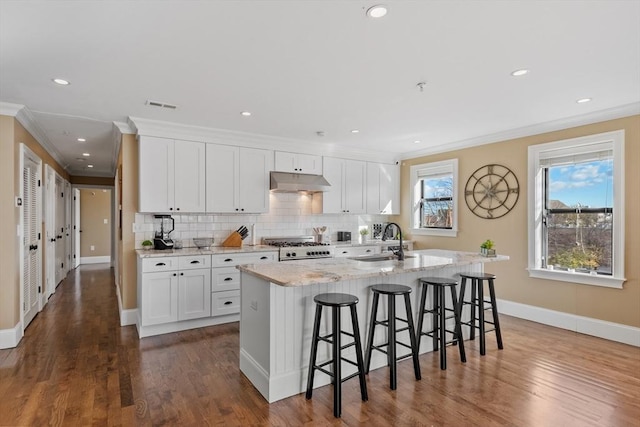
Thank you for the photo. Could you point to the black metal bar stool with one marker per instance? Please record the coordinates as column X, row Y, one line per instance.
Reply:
column 391, row 290
column 336, row 302
column 478, row 303
column 439, row 311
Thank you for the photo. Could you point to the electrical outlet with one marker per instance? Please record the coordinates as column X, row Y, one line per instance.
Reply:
column 106, row 221
column 93, row 248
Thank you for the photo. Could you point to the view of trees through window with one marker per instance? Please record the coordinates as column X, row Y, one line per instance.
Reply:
column 579, row 220
column 437, row 202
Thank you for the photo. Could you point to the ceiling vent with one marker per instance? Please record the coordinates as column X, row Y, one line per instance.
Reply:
column 160, row 104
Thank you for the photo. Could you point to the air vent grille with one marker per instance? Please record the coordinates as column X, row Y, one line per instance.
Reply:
column 161, row 104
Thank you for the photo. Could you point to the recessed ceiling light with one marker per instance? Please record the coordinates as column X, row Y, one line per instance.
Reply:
column 377, row 11
column 583, row 100
column 82, row 140
column 355, row 131
column 417, row 141
column 86, row 154
column 89, row 166
column 518, row 73
column 61, row 82
column 246, row 113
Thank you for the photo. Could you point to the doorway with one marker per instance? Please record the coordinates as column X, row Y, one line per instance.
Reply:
column 95, row 225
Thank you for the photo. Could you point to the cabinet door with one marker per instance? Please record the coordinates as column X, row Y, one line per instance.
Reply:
column 159, row 298
column 373, row 188
column 285, row 162
column 222, row 163
column 155, row 174
column 255, row 165
column 194, row 294
column 389, row 189
column 308, row 163
column 355, row 173
column 189, row 179
column 332, row 199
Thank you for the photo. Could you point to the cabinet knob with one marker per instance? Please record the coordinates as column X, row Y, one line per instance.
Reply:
column 177, row 209
column 174, row 274
column 182, row 274
column 237, row 209
column 368, row 250
column 242, row 209
column 170, row 209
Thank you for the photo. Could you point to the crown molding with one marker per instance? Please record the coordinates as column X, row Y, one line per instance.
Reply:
column 537, row 129
column 148, row 127
column 9, row 109
column 125, row 128
column 26, row 119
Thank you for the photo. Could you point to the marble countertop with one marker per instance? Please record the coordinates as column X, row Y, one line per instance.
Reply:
column 309, row 272
column 369, row 243
column 152, row 253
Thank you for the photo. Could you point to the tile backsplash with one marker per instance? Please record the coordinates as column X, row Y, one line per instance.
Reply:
column 289, row 215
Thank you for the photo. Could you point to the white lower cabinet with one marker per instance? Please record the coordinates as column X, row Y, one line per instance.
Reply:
column 225, row 302
column 194, row 287
column 160, row 297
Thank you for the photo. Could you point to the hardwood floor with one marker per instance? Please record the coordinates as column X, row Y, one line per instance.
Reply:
column 77, row 366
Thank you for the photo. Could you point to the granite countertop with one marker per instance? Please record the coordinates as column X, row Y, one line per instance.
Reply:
column 153, row 253
column 369, row 243
column 309, row 272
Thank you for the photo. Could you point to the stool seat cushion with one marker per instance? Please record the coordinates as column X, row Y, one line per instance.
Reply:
column 481, row 276
column 439, row 281
column 336, row 300
column 391, row 289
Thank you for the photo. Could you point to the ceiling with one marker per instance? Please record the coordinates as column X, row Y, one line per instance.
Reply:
column 301, row 67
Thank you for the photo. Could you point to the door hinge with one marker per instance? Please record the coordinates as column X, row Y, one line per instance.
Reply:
column 38, row 183
column 74, row 256
column 39, row 289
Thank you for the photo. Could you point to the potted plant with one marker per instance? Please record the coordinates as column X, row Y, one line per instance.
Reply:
column 363, row 233
column 147, row 244
column 486, row 248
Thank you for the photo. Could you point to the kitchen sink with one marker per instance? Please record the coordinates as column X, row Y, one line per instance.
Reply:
column 377, row 257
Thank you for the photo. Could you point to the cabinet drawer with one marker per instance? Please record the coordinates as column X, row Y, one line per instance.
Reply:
column 225, row 279
column 227, row 302
column 195, row 261
column 152, row 265
column 231, row 260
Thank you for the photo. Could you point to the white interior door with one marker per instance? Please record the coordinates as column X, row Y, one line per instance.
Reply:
column 68, row 210
column 31, row 262
column 50, row 240
column 59, row 230
column 76, row 227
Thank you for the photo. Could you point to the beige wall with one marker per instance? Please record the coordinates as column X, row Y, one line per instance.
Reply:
column 125, row 240
column 95, row 208
column 510, row 232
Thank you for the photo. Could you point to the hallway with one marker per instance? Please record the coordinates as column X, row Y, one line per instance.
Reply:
column 77, row 366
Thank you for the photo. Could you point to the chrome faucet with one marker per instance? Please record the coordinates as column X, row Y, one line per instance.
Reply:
column 400, row 252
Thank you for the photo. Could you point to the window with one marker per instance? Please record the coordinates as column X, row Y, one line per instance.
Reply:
column 434, row 207
column 576, row 210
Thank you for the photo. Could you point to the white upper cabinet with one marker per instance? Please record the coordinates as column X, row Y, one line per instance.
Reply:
column 296, row 162
column 171, row 175
column 383, row 189
column 237, row 179
column 347, row 192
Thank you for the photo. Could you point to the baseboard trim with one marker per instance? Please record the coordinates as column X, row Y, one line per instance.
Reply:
column 584, row 325
column 127, row 317
column 9, row 338
column 95, row 259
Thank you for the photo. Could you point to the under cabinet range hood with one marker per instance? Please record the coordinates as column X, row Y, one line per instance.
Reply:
column 292, row 182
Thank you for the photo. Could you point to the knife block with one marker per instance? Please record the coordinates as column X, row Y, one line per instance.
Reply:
column 233, row 241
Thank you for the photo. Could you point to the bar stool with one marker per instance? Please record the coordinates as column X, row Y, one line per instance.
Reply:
column 336, row 301
column 391, row 290
column 478, row 302
column 439, row 312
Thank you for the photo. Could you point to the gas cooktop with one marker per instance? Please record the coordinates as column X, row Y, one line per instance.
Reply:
column 299, row 247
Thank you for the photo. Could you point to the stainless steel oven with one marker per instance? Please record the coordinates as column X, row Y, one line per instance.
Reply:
column 300, row 247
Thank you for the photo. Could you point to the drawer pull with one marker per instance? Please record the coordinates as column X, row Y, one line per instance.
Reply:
column 228, row 260
column 195, row 262
column 345, row 252
column 227, row 279
column 264, row 257
column 368, row 250
column 228, row 302
column 160, row 264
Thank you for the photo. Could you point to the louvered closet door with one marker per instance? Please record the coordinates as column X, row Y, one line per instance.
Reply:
column 32, row 248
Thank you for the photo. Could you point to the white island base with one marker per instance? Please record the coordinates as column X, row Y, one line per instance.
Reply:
column 276, row 319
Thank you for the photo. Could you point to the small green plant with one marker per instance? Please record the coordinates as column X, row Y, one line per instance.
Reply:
column 364, row 231
column 147, row 243
column 487, row 244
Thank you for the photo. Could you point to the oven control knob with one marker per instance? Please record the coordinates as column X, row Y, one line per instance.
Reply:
column 288, row 254
column 293, row 254
column 308, row 253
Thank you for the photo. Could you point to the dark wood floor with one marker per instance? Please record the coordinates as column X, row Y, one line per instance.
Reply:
column 77, row 366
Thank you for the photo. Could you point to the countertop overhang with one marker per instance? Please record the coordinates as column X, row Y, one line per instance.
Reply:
column 310, row 272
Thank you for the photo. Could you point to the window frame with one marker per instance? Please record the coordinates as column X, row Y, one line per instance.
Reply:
column 417, row 173
column 536, row 198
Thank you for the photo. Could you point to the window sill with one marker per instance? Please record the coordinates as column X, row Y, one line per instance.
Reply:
column 581, row 278
column 442, row 232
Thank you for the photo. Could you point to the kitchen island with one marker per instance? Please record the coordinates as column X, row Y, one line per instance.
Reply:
column 277, row 310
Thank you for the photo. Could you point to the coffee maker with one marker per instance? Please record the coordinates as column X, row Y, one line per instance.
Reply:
column 163, row 226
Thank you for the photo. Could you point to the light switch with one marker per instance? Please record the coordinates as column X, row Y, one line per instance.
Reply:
column 93, row 248
column 106, row 221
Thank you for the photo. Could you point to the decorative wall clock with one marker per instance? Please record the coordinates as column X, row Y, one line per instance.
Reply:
column 492, row 191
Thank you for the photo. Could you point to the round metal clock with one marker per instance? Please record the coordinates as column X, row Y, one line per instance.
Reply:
column 492, row 191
